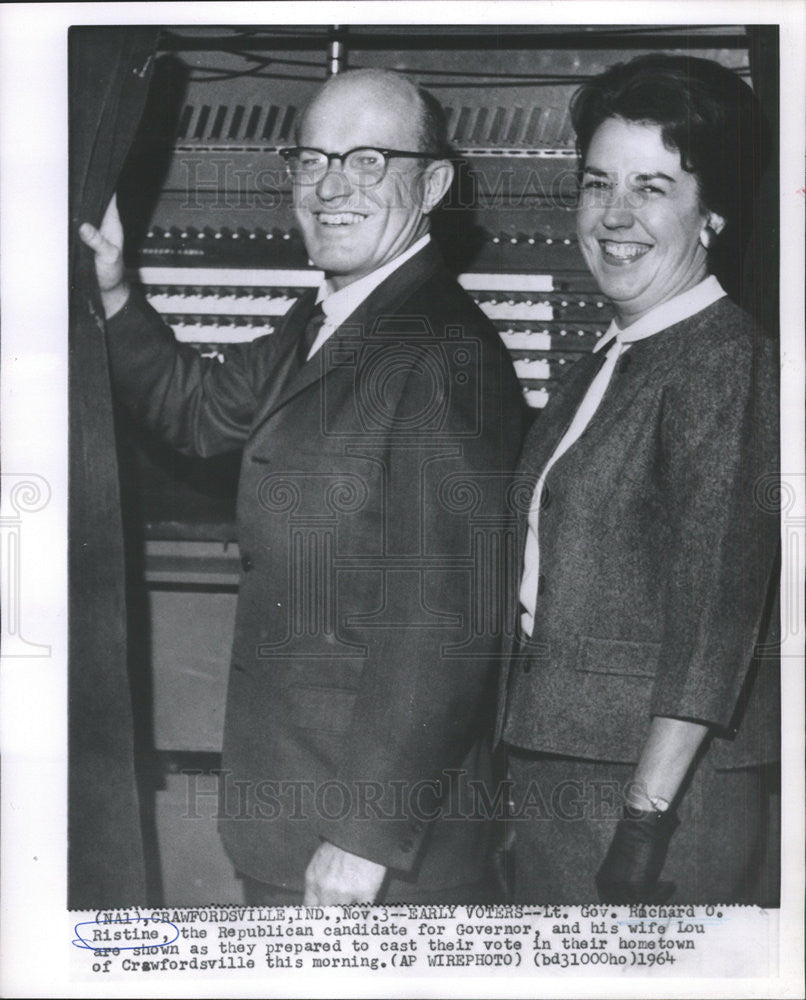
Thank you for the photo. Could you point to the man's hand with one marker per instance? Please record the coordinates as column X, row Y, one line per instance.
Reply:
column 336, row 876
column 107, row 245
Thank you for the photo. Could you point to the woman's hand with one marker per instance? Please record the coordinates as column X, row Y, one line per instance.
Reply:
column 632, row 866
column 630, row 872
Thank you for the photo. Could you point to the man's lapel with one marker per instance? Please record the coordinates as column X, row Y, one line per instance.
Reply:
column 359, row 326
column 288, row 339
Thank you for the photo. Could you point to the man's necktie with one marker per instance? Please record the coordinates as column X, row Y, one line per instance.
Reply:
column 309, row 333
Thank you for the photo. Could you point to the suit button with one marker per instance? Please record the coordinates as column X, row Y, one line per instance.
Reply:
column 407, row 846
column 541, row 584
column 246, row 562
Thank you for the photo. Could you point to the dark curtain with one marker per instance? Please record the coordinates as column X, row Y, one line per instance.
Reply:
column 109, row 73
column 762, row 260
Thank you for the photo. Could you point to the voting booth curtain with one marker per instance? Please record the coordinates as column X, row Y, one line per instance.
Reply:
column 760, row 292
column 109, row 73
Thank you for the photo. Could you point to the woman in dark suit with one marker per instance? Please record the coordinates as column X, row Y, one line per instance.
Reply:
column 639, row 715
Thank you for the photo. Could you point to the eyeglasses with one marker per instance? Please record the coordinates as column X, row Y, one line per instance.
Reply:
column 364, row 165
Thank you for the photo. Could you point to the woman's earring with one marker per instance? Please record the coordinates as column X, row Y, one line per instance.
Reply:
column 707, row 237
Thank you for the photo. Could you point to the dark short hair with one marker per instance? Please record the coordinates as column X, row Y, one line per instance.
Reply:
column 433, row 126
column 705, row 111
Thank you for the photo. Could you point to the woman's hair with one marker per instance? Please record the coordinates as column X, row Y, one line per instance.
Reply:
column 705, row 111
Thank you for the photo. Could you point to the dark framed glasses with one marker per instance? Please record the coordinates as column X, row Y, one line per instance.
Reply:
column 364, row 166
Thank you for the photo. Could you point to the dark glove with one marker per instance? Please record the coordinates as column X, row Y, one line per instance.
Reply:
column 630, row 870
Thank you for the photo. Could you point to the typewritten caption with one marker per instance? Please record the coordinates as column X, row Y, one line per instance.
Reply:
column 430, row 940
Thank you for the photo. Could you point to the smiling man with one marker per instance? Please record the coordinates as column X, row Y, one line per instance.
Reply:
column 366, row 639
column 375, row 208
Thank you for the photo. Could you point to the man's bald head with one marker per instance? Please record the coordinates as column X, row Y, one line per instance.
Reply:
column 394, row 92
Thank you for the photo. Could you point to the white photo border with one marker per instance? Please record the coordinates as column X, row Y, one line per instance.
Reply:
column 36, row 941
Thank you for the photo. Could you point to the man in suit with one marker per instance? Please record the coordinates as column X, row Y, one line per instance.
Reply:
column 378, row 441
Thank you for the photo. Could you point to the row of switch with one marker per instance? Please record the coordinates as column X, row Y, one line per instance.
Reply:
column 539, row 340
column 293, row 234
column 563, row 303
column 532, row 241
column 217, row 292
column 516, row 310
column 208, row 233
column 221, row 302
column 201, row 327
column 234, row 280
column 276, row 302
column 228, row 330
column 217, row 332
column 528, row 310
column 523, row 130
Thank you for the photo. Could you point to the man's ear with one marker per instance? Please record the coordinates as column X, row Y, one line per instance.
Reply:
column 434, row 183
column 716, row 222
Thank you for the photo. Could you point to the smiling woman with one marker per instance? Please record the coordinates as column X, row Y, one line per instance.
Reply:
column 648, row 563
column 641, row 219
column 683, row 122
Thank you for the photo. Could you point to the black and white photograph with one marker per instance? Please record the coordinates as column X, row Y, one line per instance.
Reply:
column 429, row 481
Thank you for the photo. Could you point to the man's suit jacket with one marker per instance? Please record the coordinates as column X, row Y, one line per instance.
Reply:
column 658, row 538
column 372, row 487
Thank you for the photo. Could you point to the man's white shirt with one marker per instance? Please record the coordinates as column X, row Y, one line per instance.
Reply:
column 339, row 305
